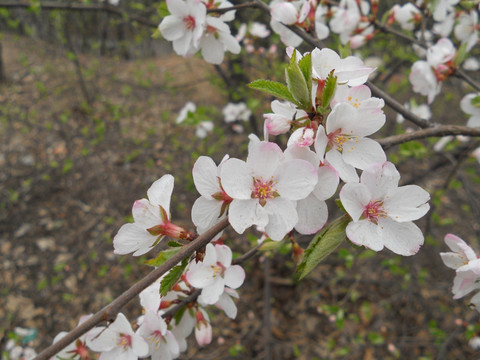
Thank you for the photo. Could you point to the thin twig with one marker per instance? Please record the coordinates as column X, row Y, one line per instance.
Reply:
column 267, row 309
column 109, row 312
column 437, row 131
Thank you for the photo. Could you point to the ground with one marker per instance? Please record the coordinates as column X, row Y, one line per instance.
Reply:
column 70, row 171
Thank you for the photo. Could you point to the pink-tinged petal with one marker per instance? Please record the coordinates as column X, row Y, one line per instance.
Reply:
column 321, row 142
column 139, row 346
column 406, row 203
column 146, row 214
column 234, row 276
column 245, row 213
column 211, row 293
column 401, row 238
column 200, row 276
column 342, row 117
column 172, row 28
column 282, row 217
column 161, row 191
column 345, row 171
column 452, row 260
column 101, row 339
column 295, row 179
column 224, row 255
column 225, row 303
column 284, row 12
column 365, row 233
column 183, row 46
column 263, row 158
column 327, row 183
column 465, row 281
column 203, row 334
column 354, row 198
column 363, row 153
column 237, row 180
column 121, row 325
column 312, row 215
column 205, row 212
column 367, row 122
column 380, row 179
column 212, row 49
column 459, row 246
column 303, row 153
column 210, row 257
column 178, row 8
column 132, row 238
column 205, row 176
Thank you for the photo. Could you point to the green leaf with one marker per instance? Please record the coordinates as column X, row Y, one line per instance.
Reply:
column 170, row 279
column 174, row 244
column 163, row 256
column 322, row 245
column 296, row 84
column 329, row 89
column 460, row 55
column 476, row 101
column 345, row 51
column 273, row 88
column 305, row 65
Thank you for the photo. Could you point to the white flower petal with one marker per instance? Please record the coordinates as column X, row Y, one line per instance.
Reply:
column 401, row 238
column 234, row 276
column 312, row 215
column 406, row 203
column 365, row 233
column 355, row 197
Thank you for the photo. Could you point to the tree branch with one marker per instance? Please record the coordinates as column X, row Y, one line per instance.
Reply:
column 437, row 131
column 109, row 312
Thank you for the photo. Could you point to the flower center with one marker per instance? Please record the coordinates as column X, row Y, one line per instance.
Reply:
column 125, row 341
column 218, row 269
column 337, row 139
column 374, row 210
column 263, row 190
column 189, row 22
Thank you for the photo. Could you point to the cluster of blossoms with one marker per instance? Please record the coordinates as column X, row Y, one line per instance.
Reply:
column 467, row 268
column 191, row 29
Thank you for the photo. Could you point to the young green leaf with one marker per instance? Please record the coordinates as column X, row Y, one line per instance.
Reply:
column 172, row 277
column 460, row 55
column 322, row 245
column 273, row 88
column 329, row 90
column 476, row 101
column 163, row 256
column 345, row 51
column 297, row 85
column 305, row 65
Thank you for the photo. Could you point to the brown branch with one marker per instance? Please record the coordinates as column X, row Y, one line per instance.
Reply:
column 437, row 131
column 55, row 5
column 109, row 312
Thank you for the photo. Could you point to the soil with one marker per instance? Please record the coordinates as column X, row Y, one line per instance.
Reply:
column 70, row 171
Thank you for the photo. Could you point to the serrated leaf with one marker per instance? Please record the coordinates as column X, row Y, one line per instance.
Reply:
column 297, row 85
column 322, row 245
column 329, row 89
column 163, row 256
column 273, row 88
column 305, row 65
column 170, row 279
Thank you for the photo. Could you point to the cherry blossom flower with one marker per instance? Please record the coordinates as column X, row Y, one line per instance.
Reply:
column 382, row 213
column 346, row 18
column 117, row 341
column 321, row 28
column 211, row 207
column 203, row 128
column 216, row 40
column 189, row 107
column 351, row 70
column 265, row 187
column 407, row 15
column 422, row 110
column 466, row 279
column 344, row 139
column 236, row 111
column 467, row 106
column 162, row 344
column 440, row 53
column 467, row 29
column 75, row 350
column 442, row 8
column 461, row 255
column 214, row 273
column 280, row 121
column 203, row 329
column 424, row 81
column 259, row 30
column 152, row 221
column 185, row 25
